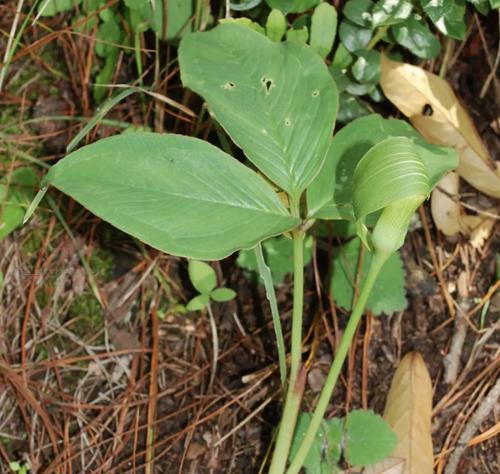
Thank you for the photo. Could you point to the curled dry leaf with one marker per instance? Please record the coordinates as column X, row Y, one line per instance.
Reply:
column 481, row 233
column 447, row 212
column 449, row 215
column 435, row 111
column 408, row 411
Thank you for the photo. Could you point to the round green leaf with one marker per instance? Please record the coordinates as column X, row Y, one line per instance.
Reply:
column 179, row 16
column 388, row 294
column 178, row 194
column 354, row 37
column 325, row 450
column 366, row 68
column 223, row 294
column 356, row 88
column 277, row 101
column 482, row 6
column 448, row 16
column 136, row 4
column 297, row 35
column 390, row 12
column 369, row 438
column 202, row 276
column 278, row 254
column 243, row 5
column 351, row 108
column 53, row 7
column 109, row 35
column 323, row 29
column 292, row 6
column 416, row 36
column 276, row 25
column 198, row 303
column 16, row 193
column 359, row 12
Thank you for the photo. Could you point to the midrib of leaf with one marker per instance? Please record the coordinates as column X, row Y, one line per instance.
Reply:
column 184, row 196
column 285, row 162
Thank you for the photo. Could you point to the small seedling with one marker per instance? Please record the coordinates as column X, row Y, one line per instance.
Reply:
column 19, row 467
column 278, row 103
column 16, row 191
column 204, row 280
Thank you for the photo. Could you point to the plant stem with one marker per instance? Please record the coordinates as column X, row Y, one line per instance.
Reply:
column 377, row 37
column 377, row 262
column 265, row 274
column 298, row 304
column 296, row 383
column 215, row 344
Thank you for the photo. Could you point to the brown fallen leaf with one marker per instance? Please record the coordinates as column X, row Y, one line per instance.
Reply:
column 387, row 466
column 450, row 218
column 408, row 411
column 481, row 232
column 435, row 111
column 445, row 211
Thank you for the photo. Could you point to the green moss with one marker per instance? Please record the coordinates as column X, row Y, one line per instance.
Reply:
column 102, row 264
column 88, row 315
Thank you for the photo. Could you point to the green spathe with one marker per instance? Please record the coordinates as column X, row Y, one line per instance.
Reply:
column 331, row 193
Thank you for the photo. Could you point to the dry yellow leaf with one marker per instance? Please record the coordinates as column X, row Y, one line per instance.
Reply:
column 408, row 411
column 387, row 466
column 481, row 231
column 445, row 211
column 435, row 111
column 450, row 217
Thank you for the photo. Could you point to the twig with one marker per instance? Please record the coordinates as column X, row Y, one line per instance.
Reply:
column 452, row 360
column 9, row 49
column 493, row 66
column 457, row 199
column 153, row 394
column 437, row 268
column 215, row 348
column 472, row 426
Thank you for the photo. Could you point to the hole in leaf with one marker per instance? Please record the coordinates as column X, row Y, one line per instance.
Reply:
column 229, row 85
column 315, row 93
column 427, row 110
column 267, row 83
column 288, row 122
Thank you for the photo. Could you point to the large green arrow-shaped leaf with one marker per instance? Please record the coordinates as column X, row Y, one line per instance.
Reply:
column 330, row 194
column 277, row 101
column 176, row 193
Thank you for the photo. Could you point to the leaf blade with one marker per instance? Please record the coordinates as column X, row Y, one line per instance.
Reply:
column 277, row 101
column 202, row 276
column 369, row 438
column 186, row 197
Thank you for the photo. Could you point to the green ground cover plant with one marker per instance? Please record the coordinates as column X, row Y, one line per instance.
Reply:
column 119, row 27
column 400, row 27
column 183, row 196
